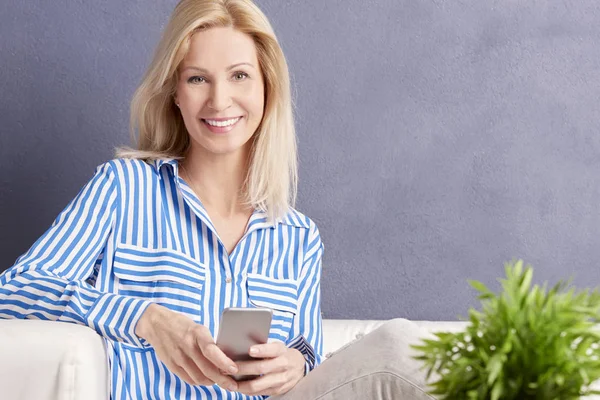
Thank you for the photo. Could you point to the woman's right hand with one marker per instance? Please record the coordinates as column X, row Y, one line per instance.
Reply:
column 186, row 348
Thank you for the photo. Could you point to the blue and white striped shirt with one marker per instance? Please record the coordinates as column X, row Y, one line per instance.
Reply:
column 136, row 234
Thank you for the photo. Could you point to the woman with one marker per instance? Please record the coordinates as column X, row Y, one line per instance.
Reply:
column 197, row 218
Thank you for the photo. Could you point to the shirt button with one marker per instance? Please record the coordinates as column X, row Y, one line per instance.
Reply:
column 228, row 280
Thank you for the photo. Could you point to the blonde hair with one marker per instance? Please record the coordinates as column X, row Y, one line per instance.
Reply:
column 271, row 180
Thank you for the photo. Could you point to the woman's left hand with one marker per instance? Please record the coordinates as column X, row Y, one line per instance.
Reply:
column 281, row 368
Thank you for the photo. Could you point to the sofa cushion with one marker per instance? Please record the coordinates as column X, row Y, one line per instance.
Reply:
column 339, row 333
column 45, row 360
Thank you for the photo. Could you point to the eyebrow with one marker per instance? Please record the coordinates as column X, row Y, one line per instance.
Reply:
column 228, row 68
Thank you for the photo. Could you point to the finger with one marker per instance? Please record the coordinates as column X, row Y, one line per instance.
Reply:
column 268, row 350
column 196, row 373
column 216, row 356
column 275, row 391
column 180, row 372
column 262, row 385
column 212, row 372
column 263, row 367
column 220, row 379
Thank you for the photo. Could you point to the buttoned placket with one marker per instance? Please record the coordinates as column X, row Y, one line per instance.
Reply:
column 257, row 221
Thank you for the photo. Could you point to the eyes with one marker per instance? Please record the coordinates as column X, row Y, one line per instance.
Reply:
column 237, row 77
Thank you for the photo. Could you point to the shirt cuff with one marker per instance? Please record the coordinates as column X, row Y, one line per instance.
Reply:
column 299, row 343
column 116, row 316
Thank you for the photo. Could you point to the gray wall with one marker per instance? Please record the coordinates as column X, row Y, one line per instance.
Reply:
column 438, row 139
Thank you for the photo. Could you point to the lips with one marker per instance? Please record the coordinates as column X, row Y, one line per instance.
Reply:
column 221, row 122
column 221, row 125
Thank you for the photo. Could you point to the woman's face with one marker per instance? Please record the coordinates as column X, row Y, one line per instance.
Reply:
column 220, row 91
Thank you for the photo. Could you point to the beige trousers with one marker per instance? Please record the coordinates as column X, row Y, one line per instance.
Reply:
column 376, row 366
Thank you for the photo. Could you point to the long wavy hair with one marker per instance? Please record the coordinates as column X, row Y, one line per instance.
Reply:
column 157, row 127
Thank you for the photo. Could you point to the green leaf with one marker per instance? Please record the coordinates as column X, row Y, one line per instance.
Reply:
column 507, row 346
column 479, row 286
column 526, row 282
column 518, row 269
column 497, row 390
column 494, row 368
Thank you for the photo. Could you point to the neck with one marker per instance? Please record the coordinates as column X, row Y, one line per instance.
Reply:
column 218, row 180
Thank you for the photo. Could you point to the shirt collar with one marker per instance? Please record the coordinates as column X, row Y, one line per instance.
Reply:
column 291, row 218
column 174, row 163
column 294, row 218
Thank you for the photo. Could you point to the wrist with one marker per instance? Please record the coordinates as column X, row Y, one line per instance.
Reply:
column 143, row 328
column 300, row 361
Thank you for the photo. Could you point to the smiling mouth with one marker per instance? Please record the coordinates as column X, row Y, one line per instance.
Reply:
column 221, row 126
column 221, row 123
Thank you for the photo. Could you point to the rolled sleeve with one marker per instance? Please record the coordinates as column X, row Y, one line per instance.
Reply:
column 51, row 281
column 307, row 334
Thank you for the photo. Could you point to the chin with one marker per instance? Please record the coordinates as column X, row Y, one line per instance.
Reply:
column 224, row 148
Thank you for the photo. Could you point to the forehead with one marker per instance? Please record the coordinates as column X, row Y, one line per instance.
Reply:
column 217, row 48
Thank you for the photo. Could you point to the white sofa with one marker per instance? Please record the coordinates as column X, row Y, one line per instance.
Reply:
column 44, row 360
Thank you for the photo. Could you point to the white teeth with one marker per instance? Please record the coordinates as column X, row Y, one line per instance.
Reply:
column 222, row 123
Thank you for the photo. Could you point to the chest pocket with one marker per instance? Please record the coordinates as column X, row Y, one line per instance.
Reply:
column 165, row 276
column 281, row 296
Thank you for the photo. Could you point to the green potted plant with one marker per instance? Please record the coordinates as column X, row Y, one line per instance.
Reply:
column 526, row 343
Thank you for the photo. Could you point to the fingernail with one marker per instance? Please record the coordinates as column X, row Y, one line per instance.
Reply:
column 253, row 350
column 232, row 370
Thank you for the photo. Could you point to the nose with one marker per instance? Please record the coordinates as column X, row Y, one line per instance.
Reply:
column 220, row 98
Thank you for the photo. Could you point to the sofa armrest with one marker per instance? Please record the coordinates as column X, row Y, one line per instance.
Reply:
column 46, row 360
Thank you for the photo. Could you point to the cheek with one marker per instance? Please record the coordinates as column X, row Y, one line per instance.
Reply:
column 193, row 99
column 180, row 92
column 256, row 103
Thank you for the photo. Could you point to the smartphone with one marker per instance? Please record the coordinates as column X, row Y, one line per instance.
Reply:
column 240, row 329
